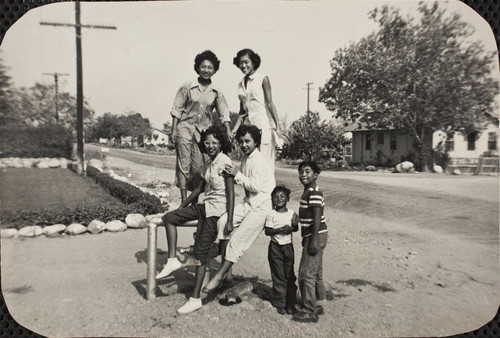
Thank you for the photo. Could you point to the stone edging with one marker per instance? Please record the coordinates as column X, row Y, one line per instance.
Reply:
column 132, row 221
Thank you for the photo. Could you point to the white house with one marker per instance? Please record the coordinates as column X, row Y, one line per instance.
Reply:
column 390, row 146
column 157, row 138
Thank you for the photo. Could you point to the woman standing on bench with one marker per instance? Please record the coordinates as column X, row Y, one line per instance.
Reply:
column 218, row 188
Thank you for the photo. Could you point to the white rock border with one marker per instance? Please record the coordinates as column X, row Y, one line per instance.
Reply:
column 32, row 231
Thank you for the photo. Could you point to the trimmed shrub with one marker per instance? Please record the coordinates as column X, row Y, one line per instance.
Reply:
column 46, row 140
column 125, row 192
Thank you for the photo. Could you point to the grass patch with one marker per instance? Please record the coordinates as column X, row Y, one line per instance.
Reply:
column 51, row 189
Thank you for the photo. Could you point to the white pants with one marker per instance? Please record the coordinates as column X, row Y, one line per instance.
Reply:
column 248, row 223
column 268, row 147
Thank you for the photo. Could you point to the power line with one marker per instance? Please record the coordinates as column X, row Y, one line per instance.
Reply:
column 308, row 90
column 79, row 81
column 56, row 75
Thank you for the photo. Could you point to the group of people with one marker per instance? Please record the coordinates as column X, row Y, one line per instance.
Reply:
column 227, row 228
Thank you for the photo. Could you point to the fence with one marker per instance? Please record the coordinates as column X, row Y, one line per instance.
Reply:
column 474, row 165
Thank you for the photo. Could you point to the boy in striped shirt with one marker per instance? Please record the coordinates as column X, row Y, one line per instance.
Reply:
column 314, row 239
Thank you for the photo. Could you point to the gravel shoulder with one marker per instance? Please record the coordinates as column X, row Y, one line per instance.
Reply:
column 384, row 278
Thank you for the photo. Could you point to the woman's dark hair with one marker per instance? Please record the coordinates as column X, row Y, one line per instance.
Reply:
column 206, row 55
column 225, row 145
column 283, row 189
column 254, row 57
column 252, row 130
column 313, row 165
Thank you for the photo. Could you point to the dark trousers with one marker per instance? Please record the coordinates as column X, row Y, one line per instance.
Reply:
column 281, row 259
column 206, row 232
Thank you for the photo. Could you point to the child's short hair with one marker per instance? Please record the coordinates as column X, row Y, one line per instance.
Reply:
column 281, row 188
column 313, row 165
column 252, row 130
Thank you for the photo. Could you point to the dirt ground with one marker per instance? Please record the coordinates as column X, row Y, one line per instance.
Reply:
column 384, row 278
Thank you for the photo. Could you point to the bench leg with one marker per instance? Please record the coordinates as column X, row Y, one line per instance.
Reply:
column 151, row 269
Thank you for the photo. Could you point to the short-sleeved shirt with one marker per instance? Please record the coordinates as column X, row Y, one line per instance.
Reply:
column 275, row 220
column 215, row 188
column 194, row 109
column 312, row 197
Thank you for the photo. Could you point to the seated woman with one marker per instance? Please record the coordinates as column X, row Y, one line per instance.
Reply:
column 249, row 216
column 218, row 188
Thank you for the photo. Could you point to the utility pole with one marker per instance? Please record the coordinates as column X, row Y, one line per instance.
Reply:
column 79, row 81
column 308, row 90
column 56, row 75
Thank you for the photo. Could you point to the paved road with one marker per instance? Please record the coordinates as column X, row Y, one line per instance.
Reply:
column 466, row 217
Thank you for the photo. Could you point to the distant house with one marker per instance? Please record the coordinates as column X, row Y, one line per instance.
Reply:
column 157, row 138
column 391, row 146
column 128, row 141
column 380, row 146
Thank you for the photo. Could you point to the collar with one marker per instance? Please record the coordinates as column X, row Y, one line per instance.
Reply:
column 217, row 159
column 251, row 78
column 195, row 84
column 256, row 150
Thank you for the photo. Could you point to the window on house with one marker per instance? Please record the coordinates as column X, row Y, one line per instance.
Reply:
column 368, row 145
column 393, row 141
column 380, row 138
column 450, row 143
column 471, row 141
column 492, row 141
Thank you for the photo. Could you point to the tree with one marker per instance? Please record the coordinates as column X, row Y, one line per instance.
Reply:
column 36, row 105
column 7, row 115
column 308, row 136
column 133, row 124
column 418, row 75
column 113, row 126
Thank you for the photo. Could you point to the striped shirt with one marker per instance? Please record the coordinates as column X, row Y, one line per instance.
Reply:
column 311, row 198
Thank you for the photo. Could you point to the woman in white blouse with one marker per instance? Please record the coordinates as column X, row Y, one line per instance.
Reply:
column 256, row 103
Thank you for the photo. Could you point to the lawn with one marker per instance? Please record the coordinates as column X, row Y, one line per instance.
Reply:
column 51, row 189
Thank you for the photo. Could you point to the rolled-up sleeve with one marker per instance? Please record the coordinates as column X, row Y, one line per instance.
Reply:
column 180, row 100
column 222, row 108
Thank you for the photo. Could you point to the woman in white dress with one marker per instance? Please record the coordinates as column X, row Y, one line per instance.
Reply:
column 256, row 103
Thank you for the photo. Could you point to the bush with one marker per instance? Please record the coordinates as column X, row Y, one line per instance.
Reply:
column 125, row 192
column 46, row 140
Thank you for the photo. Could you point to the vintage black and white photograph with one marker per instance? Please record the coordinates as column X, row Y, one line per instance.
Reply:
column 250, row 169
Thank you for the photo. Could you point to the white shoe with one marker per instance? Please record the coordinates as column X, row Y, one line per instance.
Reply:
column 172, row 265
column 191, row 305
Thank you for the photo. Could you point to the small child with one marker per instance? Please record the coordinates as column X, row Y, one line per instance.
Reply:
column 280, row 223
column 314, row 238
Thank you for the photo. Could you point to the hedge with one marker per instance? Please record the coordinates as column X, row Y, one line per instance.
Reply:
column 46, row 140
column 125, row 192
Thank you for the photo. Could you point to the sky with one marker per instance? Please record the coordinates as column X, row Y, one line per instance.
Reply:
column 140, row 65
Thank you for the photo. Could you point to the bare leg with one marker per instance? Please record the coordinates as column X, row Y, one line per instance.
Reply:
column 217, row 279
column 171, row 231
column 198, row 280
column 183, row 194
column 223, row 245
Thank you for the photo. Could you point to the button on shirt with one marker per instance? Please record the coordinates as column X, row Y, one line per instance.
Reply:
column 194, row 108
column 215, row 188
column 257, row 179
